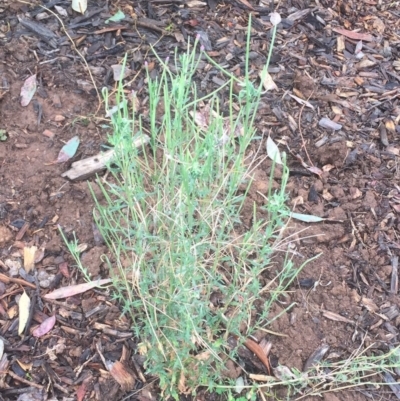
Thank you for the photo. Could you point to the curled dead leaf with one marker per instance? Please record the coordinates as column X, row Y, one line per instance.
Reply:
column 334, row 316
column 122, row 375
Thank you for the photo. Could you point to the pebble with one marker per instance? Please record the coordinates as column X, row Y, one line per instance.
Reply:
column 14, row 266
column 48, row 133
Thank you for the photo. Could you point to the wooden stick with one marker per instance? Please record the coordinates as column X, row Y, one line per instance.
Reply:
column 85, row 168
column 394, row 282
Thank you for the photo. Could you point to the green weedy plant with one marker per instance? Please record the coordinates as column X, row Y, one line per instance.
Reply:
column 183, row 265
column 172, row 218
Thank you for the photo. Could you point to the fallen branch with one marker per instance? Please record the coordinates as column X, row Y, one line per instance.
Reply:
column 85, row 168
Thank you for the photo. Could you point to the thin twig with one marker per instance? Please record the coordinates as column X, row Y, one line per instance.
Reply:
column 24, row 381
column 394, row 282
column 303, row 144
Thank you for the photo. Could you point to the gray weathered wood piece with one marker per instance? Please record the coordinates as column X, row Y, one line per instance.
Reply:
column 85, row 168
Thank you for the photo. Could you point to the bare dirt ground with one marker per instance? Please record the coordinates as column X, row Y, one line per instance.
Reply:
column 346, row 172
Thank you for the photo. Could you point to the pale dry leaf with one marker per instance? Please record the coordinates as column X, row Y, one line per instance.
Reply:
column 79, row 6
column 182, row 383
column 302, row 101
column 328, row 167
column 307, row 218
column 298, row 200
column 195, row 3
column 203, row 356
column 315, row 170
column 358, row 48
column 396, row 64
column 355, row 296
column 62, row 11
column 283, row 373
column 120, row 72
column 28, row 90
column 29, row 257
column 340, row 44
column 66, row 292
column 275, row 18
column 329, row 124
column 239, row 385
column 24, row 305
column 82, row 247
column 390, row 125
column 247, row 4
column 393, row 150
column 356, row 194
column 366, row 63
column 201, row 118
column 292, row 123
column 25, row 366
column 334, row 316
column 327, row 195
column 267, row 81
column 262, row 378
column 337, row 110
column 369, row 304
column 273, row 151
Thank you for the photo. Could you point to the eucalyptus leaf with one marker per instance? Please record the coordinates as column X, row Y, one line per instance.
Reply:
column 118, row 16
column 273, row 151
column 79, row 6
column 307, row 218
column 68, row 150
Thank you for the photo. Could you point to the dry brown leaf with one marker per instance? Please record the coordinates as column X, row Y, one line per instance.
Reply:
column 65, row 292
column 122, row 375
column 182, row 383
column 354, row 35
column 369, row 304
column 327, row 195
column 379, row 25
column 334, row 316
